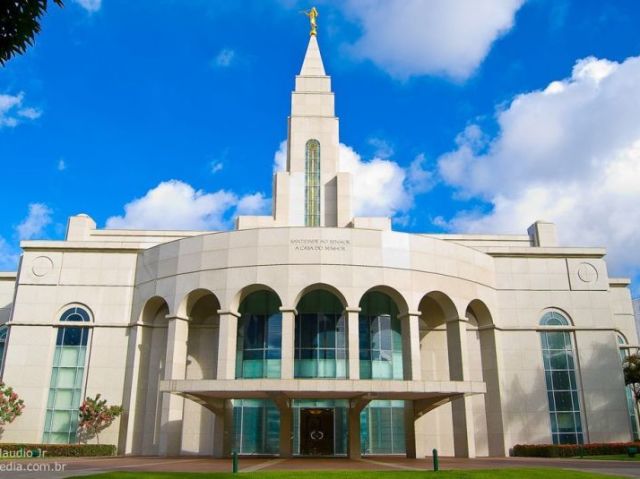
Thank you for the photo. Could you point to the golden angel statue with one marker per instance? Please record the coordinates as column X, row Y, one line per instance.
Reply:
column 312, row 14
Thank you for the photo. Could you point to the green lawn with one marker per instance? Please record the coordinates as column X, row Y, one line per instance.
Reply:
column 484, row 474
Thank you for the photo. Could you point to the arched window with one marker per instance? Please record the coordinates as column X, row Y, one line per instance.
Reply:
column 259, row 336
column 560, row 376
column 3, row 345
column 67, row 378
column 380, row 338
column 629, row 392
column 553, row 318
column 320, row 342
column 312, row 183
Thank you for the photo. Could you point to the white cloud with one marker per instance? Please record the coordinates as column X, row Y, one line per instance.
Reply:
column 381, row 187
column 8, row 256
column 569, row 153
column 177, row 205
column 382, row 147
column 90, row 6
column 37, row 220
column 255, row 204
column 12, row 111
column 225, row 58
column 420, row 37
column 378, row 185
column 62, row 165
column 280, row 157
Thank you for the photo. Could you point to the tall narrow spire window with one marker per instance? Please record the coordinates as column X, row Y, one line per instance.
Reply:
column 312, row 184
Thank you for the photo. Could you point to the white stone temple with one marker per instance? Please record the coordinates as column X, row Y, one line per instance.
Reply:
column 314, row 332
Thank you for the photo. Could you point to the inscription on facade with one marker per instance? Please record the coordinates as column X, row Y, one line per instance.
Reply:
column 317, row 244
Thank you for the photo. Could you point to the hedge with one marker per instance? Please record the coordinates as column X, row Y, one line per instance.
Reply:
column 571, row 450
column 56, row 450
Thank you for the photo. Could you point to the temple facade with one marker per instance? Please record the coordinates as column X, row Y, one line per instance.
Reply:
column 314, row 332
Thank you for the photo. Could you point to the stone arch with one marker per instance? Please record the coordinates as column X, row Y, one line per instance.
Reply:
column 74, row 304
column 322, row 286
column 479, row 312
column 245, row 291
column 150, row 342
column 394, row 294
column 555, row 309
column 190, row 299
column 482, row 359
column 201, row 307
column 154, row 311
column 439, row 303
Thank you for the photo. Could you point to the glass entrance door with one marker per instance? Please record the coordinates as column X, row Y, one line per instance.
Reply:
column 316, row 431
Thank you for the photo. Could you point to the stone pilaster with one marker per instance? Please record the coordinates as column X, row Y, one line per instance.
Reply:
column 288, row 343
column 412, row 364
column 353, row 341
column 175, row 368
column 463, row 428
column 227, row 338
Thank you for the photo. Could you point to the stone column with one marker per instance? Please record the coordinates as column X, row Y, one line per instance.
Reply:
column 353, row 342
column 286, row 425
column 227, row 338
column 222, row 429
column 354, row 446
column 411, row 361
column 409, row 429
column 463, row 428
column 175, row 368
column 288, row 343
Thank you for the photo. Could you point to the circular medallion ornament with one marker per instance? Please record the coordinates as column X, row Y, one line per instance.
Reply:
column 41, row 266
column 587, row 273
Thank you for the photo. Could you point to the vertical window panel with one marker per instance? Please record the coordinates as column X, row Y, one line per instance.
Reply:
column 380, row 338
column 560, row 378
column 259, row 339
column 67, row 378
column 320, row 346
column 312, row 183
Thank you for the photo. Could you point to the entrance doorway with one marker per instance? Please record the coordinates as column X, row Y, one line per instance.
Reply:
column 316, row 431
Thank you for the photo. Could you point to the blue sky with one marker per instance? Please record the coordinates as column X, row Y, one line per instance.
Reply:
column 462, row 115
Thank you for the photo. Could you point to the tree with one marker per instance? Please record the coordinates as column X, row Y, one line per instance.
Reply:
column 95, row 417
column 19, row 24
column 11, row 405
column 631, row 367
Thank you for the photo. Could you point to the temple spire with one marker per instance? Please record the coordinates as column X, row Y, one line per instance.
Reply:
column 312, row 64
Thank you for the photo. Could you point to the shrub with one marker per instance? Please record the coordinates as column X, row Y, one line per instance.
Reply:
column 95, row 417
column 11, row 405
column 571, row 450
column 58, row 450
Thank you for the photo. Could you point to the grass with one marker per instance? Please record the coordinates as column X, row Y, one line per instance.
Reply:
column 480, row 474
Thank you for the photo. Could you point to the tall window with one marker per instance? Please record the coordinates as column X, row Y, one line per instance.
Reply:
column 380, row 338
column 312, row 184
column 67, row 377
column 382, row 427
column 3, row 345
column 256, row 426
column 259, row 336
column 631, row 403
column 320, row 343
column 560, row 376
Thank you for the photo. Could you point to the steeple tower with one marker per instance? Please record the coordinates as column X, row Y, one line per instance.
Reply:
column 311, row 192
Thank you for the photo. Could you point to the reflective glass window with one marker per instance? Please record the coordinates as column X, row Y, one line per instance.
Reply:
column 312, row 183
column 631, row 403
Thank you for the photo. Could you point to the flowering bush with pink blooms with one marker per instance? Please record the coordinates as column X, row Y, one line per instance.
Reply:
column 95, row 417
column 11, row 405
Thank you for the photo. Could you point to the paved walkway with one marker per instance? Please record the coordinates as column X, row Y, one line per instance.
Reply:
column 83, row 466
